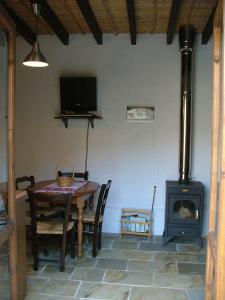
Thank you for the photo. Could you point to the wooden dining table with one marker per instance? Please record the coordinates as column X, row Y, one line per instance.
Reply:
column 80, row 196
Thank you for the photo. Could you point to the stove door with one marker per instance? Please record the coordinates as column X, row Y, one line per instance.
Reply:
column 184, row 209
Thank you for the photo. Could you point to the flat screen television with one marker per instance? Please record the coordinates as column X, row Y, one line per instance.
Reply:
column 78, row 94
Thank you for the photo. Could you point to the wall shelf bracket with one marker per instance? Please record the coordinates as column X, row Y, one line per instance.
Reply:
column 89, row 116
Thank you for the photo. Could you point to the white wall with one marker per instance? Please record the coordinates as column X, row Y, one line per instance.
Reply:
column 136, row 156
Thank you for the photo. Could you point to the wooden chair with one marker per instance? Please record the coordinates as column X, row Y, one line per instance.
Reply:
column 93, row 219
column 78, row 175
column 21, row 184
column 47, row 225
column 25, row 180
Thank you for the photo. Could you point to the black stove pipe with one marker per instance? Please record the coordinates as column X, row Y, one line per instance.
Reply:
column 186, row 39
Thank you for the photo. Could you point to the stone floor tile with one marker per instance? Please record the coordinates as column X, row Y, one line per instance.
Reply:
column 124, row 245
column 157, row 247
column 121, row 267
column 178, row 281
column 31, row 272
column 54, row 272
column 128, row 237
column 156, row 239
column 103, row 291
column 4, row 260
column 192, row 269
column 110, row 236
column 4, row 288
column 47, row 297
column 36, row 285
column 190, row 248
column 184, row 240
column 4, row 272
column 88, row 274
column 131, row 278
column 195, row 295
column 60, row 287
column 176, row 257
column 152, row 266
column 83, row 262
column 106, row 243
column 152, row 293
column 126, row 254
column 116, row 264
column 5, row 297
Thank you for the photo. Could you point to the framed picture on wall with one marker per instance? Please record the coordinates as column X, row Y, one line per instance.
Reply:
column 140, row 113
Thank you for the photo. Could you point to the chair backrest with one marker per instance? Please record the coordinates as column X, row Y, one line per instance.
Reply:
column 75, row 175
column 25, row 180
column 60, row 203
column 102, row 201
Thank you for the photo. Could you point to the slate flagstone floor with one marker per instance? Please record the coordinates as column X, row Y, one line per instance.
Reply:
column 130, row 268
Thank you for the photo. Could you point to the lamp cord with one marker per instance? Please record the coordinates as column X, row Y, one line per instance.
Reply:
column 36, row 11
column 36, row 26
column 87, row 138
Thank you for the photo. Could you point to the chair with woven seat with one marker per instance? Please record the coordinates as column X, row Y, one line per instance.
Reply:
column 21, row 184
column 43, row 225
column 79, row 175
column 93, row 219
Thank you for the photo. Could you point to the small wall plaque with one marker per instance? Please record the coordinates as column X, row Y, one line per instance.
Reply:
column 140, row 113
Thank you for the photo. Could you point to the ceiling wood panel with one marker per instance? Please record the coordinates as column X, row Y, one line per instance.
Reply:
column 152, row 16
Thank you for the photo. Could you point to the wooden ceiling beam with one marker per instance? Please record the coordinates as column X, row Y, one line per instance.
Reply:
column 208, row 29
column 132, row 21
column 175, row 7
column 52, row 20
column 218, row 18
column 6, row 21
column 19, row 25
column 89, row 17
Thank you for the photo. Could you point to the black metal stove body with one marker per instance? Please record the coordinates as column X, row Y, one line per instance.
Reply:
column 184, row 198
column 184, row 210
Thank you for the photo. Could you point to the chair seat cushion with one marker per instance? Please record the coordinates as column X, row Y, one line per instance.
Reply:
column 88, row 216
column 52, row 227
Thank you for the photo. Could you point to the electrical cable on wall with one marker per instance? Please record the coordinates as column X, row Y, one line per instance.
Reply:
column 87, row 139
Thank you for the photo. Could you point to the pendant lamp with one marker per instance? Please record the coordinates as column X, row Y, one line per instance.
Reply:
column 35, row 58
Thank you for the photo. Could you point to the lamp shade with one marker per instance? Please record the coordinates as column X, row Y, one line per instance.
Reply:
column 35, row 58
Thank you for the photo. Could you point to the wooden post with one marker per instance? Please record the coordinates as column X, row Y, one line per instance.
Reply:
column 8, row 25
column 11, row 164
column 214, row 159
column 220, row 242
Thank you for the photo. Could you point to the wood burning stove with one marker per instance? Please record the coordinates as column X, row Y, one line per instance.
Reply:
column 184, row 209
column 184, row 198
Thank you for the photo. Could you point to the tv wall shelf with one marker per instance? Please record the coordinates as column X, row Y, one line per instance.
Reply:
column 89, row 116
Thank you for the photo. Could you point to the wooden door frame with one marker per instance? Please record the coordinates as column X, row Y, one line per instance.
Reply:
column 8, row 25
column 215, row 273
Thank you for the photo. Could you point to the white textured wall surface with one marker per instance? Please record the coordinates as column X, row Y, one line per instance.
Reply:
column 136, row 156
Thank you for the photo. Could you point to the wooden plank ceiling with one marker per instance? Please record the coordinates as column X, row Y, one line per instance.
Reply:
column 64, row 17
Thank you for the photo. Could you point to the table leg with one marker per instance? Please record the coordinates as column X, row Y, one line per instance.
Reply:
column 80, row 206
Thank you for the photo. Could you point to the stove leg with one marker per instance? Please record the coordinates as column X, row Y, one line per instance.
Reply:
column 200, row 242
column 166, row 240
